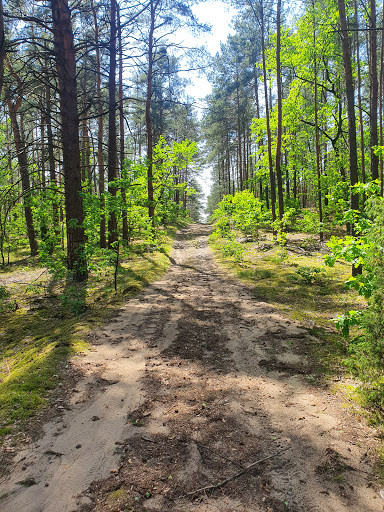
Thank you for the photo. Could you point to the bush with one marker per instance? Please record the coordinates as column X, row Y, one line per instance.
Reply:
column 233, row 250
column 243, row 212
column 310, row 275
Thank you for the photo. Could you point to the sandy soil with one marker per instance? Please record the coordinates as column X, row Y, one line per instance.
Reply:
column 193, row 382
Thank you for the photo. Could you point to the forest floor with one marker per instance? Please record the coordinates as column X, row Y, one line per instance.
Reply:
column 197, row 397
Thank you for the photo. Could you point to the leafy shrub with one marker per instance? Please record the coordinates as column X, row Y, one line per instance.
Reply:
column 309, row 275
column 243, row 212
column 307, row 222
column 74, row 299
column 233, row 250
column 366, row 350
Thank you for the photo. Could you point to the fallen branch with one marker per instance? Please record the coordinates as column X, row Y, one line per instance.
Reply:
column 217, row 454
column 34, row 280
column 233, row 477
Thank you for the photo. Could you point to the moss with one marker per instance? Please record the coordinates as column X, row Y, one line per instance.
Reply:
column 52, row 322
column 117, row 499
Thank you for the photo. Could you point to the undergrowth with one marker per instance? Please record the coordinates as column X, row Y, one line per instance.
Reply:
column 44, row 321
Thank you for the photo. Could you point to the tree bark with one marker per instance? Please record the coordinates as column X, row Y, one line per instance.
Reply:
column 112, row 145
column 269, row 141
column 121, row 125
column 361, row 125
column 348, row 77
column 317, row 142
column 239, row 152
column 148, row 120
column 22, row 158
column 2, row 46
column 66, row 73
column 100, row 129
column 373, row 139
column 279, row 114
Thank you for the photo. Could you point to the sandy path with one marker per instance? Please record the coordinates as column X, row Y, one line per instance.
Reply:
column 193, row 381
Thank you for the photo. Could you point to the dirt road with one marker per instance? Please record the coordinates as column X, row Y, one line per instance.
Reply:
column 192, row 383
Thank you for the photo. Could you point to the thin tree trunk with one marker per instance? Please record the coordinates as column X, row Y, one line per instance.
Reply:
column 317, row 143
column 51, row 155
column 279, row 114
column 381, row 92
column 100, row 128
column 354, row 199
column 361, row 125
column 148, row 120
column 22, row 158
column 269, row 141
column 239, row 152
column 112, row 145
column 121, row 125
column 373, row 140
column 2, row 46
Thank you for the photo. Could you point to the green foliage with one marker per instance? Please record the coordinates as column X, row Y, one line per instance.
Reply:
column 366, row 347
column 310, row 275
column 74, row 299
column 234, row 250
column 307, row 222
column 5, row 302
column 243, row 212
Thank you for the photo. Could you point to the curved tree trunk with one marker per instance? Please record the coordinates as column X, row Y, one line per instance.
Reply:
column 22, row 158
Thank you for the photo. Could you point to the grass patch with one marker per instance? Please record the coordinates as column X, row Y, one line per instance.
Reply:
column 50, row 319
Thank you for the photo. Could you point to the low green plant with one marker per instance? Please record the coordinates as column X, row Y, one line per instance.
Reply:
column 74, row 299
column 4, row 298
column 309, row 275
column 233, row 250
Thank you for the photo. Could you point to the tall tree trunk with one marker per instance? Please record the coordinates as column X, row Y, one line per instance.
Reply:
column 2, row 46
column 148, row 120
column 112, row 144
column 361, row 125
column 279, row 114
column 227, row 158
column 121, row 125
column 100, row 129
column 66, row 72
column 51, row 155
column 348, row 76
column 381, row 92
column 269, row 139
column 373, row 140
column 239, row 152
column 317, row 142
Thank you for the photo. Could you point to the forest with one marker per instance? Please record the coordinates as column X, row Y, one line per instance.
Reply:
column 103, row 154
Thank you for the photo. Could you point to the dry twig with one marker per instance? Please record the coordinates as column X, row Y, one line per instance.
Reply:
column 233, row 477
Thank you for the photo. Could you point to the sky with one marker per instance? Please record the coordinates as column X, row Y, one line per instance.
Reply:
column 218, row 15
